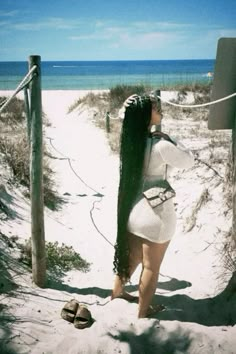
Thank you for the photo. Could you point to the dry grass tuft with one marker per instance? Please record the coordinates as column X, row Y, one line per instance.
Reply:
column 15, row 153
column 119, row 93
column 14, row 112
column 192, row 219
column 93, row 100
column 229, row 252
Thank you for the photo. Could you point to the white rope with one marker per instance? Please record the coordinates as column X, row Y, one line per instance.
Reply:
column 19, row 87
column 197, row 105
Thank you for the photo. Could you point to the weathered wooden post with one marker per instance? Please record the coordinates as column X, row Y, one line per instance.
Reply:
column 158, row 94
column 36, row 177
column 234, row 179
column 108, row 127
column 223, row 114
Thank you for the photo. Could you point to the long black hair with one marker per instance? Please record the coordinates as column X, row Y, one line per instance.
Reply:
column 132, row 150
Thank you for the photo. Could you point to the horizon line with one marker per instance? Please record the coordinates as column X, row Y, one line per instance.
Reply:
column 103, row 60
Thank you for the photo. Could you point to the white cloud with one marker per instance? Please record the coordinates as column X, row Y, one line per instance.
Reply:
column 8, row 13
column 135, row 35
column 134, row 31
column 92, row 36
column 151, row 39
column 55, row 23
column 161, row 26
column 225, row 32
column 133, row 39
column 4, row 23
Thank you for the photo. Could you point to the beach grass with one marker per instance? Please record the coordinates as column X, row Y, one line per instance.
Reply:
column 14, row 149
column 109, row 103
column 60, row 258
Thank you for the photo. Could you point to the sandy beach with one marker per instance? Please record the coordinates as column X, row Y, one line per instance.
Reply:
column 86, row 176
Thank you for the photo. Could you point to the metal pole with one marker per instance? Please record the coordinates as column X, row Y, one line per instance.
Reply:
column 36, row 177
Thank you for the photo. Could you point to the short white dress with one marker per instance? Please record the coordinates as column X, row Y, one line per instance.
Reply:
column 158, row 224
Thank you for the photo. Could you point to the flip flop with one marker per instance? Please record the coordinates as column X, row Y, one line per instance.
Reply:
column 83, row 318
column 69, row 310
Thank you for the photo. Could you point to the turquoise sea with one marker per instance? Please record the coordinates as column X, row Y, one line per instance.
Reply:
column 81, row 75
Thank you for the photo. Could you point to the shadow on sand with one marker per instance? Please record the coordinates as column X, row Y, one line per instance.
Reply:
column 6, row 321
column 217, row 311
column 171, row 285
column 7, row 286
column 155, row 340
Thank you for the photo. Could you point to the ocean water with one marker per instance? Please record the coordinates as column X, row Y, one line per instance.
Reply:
column 83, row 75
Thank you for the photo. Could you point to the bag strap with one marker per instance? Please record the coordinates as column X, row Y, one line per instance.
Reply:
column 149, row 158
column 166, row 171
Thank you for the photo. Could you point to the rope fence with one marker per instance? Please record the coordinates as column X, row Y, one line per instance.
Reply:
column 197, row 105
column 98, row 194
column 23, row 84
column 72, row 169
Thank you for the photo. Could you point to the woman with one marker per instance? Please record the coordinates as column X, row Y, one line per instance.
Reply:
column 143, row 232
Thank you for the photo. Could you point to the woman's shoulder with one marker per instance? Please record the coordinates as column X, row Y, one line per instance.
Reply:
column 175, row 154
column 164, row 144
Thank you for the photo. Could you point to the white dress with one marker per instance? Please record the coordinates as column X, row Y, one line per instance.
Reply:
column 158, row 224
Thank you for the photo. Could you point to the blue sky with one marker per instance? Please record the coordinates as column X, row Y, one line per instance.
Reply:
column 114, row 30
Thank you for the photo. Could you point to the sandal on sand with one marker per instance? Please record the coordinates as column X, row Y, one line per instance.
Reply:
column 83, row 318
column 69, row 310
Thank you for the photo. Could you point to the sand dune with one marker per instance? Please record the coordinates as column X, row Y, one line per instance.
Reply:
column 191, row 274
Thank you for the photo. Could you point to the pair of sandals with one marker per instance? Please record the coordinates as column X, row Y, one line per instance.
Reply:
column 78, row 314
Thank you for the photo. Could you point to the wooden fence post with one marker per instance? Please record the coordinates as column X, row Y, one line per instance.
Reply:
column 108, row 127
column 234, row 181
column 36, row 177
column 158, row 93
column 223, row 115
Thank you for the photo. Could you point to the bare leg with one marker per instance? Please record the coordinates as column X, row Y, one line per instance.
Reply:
column 153, row 254
column 135, row 246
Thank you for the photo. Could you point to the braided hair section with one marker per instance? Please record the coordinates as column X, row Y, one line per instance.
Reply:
column 132, row 150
